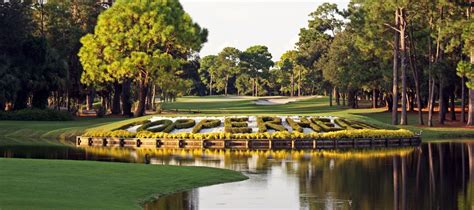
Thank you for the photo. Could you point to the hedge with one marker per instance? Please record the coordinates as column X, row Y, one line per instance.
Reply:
column 237, row 125
column 129, row 125
column 325, row 124
column 265, row 123
column 158, row 126
column 210, row 123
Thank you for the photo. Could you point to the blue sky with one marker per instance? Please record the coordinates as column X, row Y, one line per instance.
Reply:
column 243, row 23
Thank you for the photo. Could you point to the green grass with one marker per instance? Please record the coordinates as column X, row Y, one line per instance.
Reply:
column 63, row 184
column 219, row 106
column 50, row 130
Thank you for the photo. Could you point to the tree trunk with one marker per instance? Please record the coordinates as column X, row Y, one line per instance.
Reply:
column 125, row 97
column 403, row 62
column 210, row 86
column 395, row 73
column 292, row 85
column 411, row 102
column 116, row 98
column 142, row 93
column 431, row 101
column 388, row 102
column 256, row 86
column 153, row 96
column 452, row 107
column 338, row 97
column 226, row 84
column 463, row 100
column 442, row 103
column 470, row 114
column 374, row 98
column 253, row 87
column 299, row 82
column 330, row 96
column 90, row 99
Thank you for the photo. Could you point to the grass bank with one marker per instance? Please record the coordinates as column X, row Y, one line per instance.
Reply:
column 52, row 184
column 47, row 132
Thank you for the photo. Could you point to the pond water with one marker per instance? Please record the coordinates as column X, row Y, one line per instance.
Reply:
column 432, row 176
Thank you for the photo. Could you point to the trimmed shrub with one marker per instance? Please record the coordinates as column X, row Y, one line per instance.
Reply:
column 351, row 125
column 37, row 115
column 325, row 124
column 184, row 123
column 211, row 123
column 265, row 123
column 344, row 124
column 315, row 127
column 303, row 123
column 129, row 125
column 237, row 125
column 162, row 126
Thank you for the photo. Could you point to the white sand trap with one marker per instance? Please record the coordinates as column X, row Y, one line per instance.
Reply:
column 280, row 101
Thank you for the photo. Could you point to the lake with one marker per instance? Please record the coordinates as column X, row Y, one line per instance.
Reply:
column 431, row 176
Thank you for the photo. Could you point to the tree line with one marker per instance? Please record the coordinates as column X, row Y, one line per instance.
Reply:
column 70, row 53
column 402, row 55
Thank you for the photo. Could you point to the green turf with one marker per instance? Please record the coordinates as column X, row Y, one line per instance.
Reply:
column 63, row 184
column 50, row 129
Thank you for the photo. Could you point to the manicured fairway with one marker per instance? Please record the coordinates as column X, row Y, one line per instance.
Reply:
column 60, row 184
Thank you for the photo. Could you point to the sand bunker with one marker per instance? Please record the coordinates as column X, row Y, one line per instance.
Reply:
column 279, row 101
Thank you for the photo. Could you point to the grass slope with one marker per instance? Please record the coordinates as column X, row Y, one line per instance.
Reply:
column 50, row 129
column 62, row 184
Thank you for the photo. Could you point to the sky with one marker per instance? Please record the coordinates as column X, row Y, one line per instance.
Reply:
column 243, row 23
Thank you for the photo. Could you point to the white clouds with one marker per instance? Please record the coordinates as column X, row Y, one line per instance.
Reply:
column 243, row 23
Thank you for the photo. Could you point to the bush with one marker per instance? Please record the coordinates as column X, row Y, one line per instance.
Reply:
column 37, row 115
column 315, row 127
column 163, row 126
column 274, row 123
column 344, row 124
column 184, row 123
column 206, row 124
column 126, row 126
column 237, row 125
column 325, row 124
column 351, row 125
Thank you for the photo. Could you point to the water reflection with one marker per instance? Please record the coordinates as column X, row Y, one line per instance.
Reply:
column 432, row 176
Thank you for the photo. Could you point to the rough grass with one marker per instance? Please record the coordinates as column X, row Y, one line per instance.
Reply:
column 63, row 184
